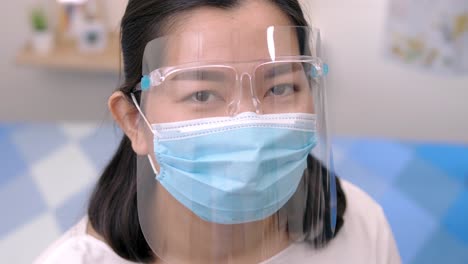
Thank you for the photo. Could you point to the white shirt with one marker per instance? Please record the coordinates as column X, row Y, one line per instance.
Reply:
column 365, row 237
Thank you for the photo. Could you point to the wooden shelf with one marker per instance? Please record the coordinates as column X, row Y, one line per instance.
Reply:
column 66, row 55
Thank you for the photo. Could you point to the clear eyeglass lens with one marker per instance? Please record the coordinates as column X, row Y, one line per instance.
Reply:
column 277, row 87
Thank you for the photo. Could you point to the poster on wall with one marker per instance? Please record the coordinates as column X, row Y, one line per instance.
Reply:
column 429, row 34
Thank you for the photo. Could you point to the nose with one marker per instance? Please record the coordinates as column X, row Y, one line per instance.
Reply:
column 246, row 100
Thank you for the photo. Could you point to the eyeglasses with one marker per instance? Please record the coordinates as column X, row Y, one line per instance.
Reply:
column 272, row 86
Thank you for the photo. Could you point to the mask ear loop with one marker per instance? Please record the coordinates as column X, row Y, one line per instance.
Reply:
column 135, row 102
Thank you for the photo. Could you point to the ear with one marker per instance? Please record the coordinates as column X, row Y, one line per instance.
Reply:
column 128, row 118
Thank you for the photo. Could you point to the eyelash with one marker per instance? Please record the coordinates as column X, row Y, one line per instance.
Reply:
column 293, row 86
column 192, row 96
column 210, row 94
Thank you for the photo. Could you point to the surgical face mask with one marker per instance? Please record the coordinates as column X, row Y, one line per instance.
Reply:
column 233, row 170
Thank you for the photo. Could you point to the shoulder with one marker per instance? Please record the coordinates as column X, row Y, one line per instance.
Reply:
column 364, row 238
column 366, row 227
column 77, row 247
column 360, row 206
column 363, row 217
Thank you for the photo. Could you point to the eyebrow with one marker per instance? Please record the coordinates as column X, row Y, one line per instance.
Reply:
column 205, row 75
column 281, row 69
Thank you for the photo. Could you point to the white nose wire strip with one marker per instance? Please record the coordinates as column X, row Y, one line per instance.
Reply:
column 223, row 122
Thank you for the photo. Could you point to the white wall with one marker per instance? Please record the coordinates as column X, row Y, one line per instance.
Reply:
column 34, row 94
column 115, row 10
column 371, row 96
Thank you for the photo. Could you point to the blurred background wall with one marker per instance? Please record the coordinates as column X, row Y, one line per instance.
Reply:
column 40, row 94
column 370, row 95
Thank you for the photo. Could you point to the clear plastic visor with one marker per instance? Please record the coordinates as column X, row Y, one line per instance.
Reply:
column 228, row 124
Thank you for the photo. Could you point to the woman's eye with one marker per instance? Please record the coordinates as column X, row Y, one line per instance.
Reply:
column 282, row 90
column 202, row 96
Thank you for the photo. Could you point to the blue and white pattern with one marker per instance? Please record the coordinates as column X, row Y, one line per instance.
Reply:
column 49, row 170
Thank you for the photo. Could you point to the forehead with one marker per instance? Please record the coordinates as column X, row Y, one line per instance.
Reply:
column 254, row 30
column 250, row 14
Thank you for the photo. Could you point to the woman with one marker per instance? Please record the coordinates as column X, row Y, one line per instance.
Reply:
column 222, row 106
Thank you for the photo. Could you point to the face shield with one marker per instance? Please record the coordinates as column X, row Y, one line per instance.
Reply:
column 228, row 122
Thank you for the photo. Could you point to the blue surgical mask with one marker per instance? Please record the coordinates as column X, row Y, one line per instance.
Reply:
column 234, row 170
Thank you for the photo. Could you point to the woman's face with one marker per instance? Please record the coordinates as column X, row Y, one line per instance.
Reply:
column 236, row 37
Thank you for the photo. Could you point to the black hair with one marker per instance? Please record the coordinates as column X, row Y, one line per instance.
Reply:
column 112, row 208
